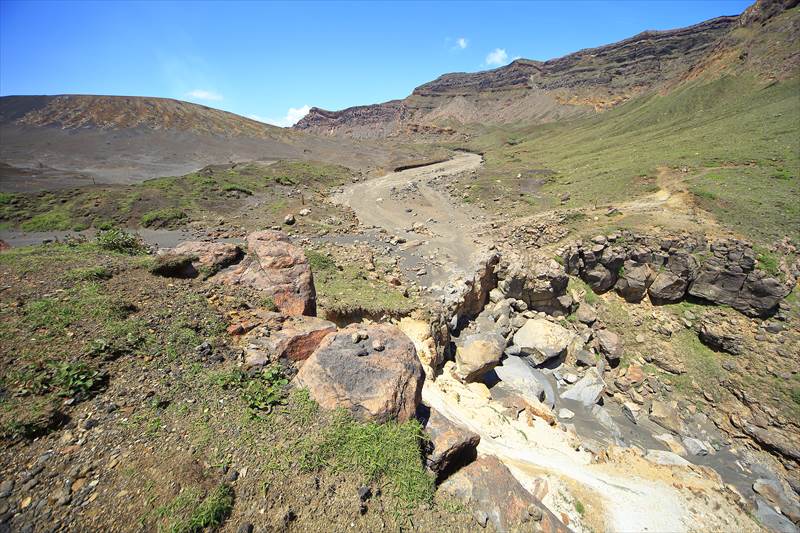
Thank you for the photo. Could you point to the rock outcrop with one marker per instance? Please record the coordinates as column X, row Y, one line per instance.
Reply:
column 531, row 91
column 670, row 269
column 372, row 371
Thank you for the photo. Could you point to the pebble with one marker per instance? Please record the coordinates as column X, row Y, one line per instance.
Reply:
column 6, row 488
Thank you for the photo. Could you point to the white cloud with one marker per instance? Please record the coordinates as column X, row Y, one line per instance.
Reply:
column 462, row 42
column 293, row 115
column 202, row 94
column 498, row 56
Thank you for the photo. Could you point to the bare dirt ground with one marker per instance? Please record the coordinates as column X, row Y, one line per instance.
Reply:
column 406, row 205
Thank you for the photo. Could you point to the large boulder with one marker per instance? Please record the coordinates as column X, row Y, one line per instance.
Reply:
column 478, row 354
column 489, row 488
column 760, row 295
column 539, row 283
column 450, row 445
column 635, row 281
column 667, row 287
column 519, row 374
column 279, row 269
column 717, row 285
column 295, row 339
column 542, row 340
column 600, row 279
column 209, row 257
column 372, row 371
column 588, row 389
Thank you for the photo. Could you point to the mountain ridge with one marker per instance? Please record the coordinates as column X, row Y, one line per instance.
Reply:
column 529, row 91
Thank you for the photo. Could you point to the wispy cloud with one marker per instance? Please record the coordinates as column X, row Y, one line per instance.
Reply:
column 498, row 56
column 462, row 43
column 293, row 115
column 202, row 94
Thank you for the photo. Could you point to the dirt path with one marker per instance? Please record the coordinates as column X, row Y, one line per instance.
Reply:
column 399, row 200
column 672, row 205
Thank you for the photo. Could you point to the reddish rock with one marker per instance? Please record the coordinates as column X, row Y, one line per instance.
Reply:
column 241, row 328
column 279, row 269
column 487, row 486
column 296, row 340
column 4, row 245
column 210, row 257
column 450, row 444
column 346, row 371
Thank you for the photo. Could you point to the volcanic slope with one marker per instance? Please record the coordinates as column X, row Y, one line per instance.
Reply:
column 61, row 141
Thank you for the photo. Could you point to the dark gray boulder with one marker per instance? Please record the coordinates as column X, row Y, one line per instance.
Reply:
column 600, row 279
column 667, row 287
column 634, row 282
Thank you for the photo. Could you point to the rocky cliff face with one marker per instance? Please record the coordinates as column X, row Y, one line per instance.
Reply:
column 584, row 82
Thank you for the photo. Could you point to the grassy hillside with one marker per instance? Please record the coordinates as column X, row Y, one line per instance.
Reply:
column 736, row 139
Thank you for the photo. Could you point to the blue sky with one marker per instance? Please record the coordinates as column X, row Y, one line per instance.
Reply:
column 266, row 59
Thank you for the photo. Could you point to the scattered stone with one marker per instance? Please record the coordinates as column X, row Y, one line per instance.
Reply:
column 565, row 414
column 666, row 415
column 671, row 442
column 209, row 257
column 297, row 339
column 520, row 375
column 631, row 410
column 384, row 386
column 610, row 344
column 586, row 314
column 717, row 337
column 289, row 220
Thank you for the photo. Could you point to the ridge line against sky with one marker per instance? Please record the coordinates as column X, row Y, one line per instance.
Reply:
column 271, row 61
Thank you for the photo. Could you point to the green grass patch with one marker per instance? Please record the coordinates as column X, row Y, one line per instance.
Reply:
column 163, row 218
column 746, row 131
column 192, row 512
column 55, row 220
column 389, row 453
column 237, row 188
column 120, row 241
column 94, row 273
column 346, row 291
